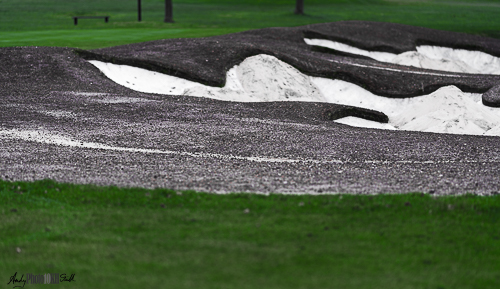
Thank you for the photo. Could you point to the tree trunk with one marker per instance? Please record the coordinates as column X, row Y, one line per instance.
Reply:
column 299, row 7
column 168, row 12
column 139, row 12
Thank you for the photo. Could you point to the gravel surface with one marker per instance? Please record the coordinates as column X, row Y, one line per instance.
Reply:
column 63, row 119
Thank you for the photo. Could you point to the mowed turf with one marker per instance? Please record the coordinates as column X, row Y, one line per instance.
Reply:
column 49, row 22
column 136, row 238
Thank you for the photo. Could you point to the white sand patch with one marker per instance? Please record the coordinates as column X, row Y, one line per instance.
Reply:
column 79, row 93
column 42, row 110
column 398, row 70
column 122, row 99
column 58, row 113
column 428, row 57
column 447, row 110
column 109, row 98
column 144, row 80
column 257, row 79
column 380, row 56
column 265, row 78
column 359, row 122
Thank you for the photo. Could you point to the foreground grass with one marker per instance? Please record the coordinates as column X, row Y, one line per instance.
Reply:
column 127, row 238
column 49, row 23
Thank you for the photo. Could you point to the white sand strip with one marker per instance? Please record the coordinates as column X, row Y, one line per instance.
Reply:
column 265, row 78
column 55, row 139
column 397, row 70
column 428, row 57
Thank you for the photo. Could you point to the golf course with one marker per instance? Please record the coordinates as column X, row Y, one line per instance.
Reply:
column 106, row 182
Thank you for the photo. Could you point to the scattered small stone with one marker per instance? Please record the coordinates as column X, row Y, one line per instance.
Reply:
column 451, row 207
column 301, row 204
column 246, row 211
column 45, row 192
column 147, row 194
column 179, row 194
column 18, row 250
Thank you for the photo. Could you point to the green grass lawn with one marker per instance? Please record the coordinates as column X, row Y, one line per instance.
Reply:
column 49, row 22
column 137, row 238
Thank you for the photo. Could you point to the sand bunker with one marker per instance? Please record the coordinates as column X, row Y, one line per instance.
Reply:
column 264, row 78
column 257, row 79
column 429, row 57
column 447, row 110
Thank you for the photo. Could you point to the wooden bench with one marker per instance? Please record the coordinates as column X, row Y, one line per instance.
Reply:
column 75, row 18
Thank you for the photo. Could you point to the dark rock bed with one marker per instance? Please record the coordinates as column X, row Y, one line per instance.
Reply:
column 57, row 92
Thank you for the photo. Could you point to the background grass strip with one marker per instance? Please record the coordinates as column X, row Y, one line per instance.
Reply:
column 49, row 22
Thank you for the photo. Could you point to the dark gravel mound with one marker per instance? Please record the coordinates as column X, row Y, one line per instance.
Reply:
column 492, row 97
column 28, row 72
column 207, row 60
column 398, row 38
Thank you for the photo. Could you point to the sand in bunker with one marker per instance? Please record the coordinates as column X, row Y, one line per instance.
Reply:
column 264, row 78
column 447, row 110
column 428, row 57
column 257, row 79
